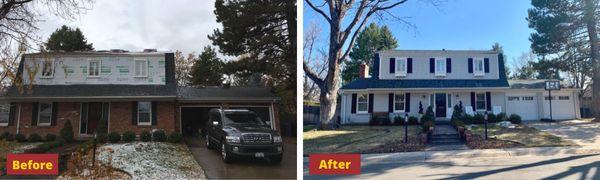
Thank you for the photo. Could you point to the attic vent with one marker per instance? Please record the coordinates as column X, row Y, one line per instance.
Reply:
column 118, row 51
column 149, row 50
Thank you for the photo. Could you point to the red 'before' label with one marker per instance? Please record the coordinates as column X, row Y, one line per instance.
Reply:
column 32, row 164
column 331, row 164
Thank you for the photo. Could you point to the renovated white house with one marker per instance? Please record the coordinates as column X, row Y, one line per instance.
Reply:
column 403, row 81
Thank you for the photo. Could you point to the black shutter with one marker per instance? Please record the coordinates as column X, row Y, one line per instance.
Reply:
column 448, row 65
column 407, row 102
column 134, row 108
column 392, row 65
column 470, row 65
column 154, row 118
column 371, row 99
column 486, row 65
column 353, row 105
column 409, row 65
column 54, row 114
column 12, row 113
column 473, row 101
column 431, row 65
column 84, row 117
column 391, row 102
column 488, row 101
column 34, row 113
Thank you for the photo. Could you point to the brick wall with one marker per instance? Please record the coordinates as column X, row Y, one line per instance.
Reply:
column 66, row 111
column 120, row 118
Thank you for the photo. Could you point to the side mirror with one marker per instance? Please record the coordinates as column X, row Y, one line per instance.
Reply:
column 215, row 123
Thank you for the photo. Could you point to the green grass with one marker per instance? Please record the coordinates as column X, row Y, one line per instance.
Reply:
column 353, row 139
column 309, row 127
column 528, row 136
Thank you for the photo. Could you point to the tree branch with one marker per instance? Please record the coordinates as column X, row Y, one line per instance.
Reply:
column 312, row 75
column 318, row 10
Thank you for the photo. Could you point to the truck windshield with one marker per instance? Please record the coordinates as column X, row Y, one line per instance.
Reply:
column 243, row 118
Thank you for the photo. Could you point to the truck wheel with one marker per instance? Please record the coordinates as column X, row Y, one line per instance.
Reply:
column 225, row 154
column 276, row 159
column 208, row 145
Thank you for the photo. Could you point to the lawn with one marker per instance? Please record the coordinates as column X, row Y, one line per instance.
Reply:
column 524, row 135
column 309, row 127
column 354, row 139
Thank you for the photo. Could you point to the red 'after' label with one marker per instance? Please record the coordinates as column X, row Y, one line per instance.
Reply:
column 32, row 164
column 331, row 164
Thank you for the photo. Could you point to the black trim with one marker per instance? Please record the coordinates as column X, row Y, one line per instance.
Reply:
column 392, row 65
column 431, row 65
column 353, row 106
column 375, row 74
column 54, row 119
column 473, row 101
column 488, row 101
column 391, row 102
column 407, row 102
column 470, row 65
column 409, row 63
column 34, row 113
column 371, row 99
column 134, row 109
column 448, row 65
column 11, row 114
column 154, row 112
column 486, row 65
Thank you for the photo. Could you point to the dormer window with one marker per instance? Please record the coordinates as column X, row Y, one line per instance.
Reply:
column 440, row 67
column 141, row 68
column 47, row 69
column 401, row 67
column 94, row 68
column 478, row 68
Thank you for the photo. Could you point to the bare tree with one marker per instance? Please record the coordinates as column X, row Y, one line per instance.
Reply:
column 345, row 18
column 183, row 67
column 318, row 63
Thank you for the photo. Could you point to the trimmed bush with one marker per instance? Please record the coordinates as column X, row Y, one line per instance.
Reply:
column 66, row 133
column 129, row 136
column 145, row 136
column 429, row 115
column 412, row 120
column 4, row 135
column 20, row 138
column 50, row 137
column 426, row 125
column 159, row 136
column 478, row 118
column 374, row 121
column 468, row 119
column 114, row 137
column 515, row 119
column 386, row 121
column 9, row 137
column 35, row 137
column 457, row 123
column 398, row 120
column 174, row 137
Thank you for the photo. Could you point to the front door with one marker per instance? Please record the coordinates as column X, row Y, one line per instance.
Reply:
column 440, row 105
column 92, row 114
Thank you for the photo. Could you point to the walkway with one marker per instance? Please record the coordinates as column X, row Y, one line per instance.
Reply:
column 444, row 138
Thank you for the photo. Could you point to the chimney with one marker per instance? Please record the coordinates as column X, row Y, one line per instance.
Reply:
column 363, row 71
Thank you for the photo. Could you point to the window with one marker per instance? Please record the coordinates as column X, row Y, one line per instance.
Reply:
column 362, row 103
column 480, row 101
column 513, row 98
column 44, row 114
column 547, row 98
column 401, row 66
column 144, row 113
column 94, row 69
column 398, row 102
column 527, row 98
column 440, row 67
column 563, row 97
column 141, row 68
column 478, row 67
column 47, row 69
column 4, row 114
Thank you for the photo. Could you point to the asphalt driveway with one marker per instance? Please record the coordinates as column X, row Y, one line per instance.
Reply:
column 215, row 168
column 582, row 131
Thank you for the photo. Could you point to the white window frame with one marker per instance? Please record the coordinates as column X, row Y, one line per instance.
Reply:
column 135, row 68
column 401, row 70
column 90, row 67
column 481, row 71
column 44, row 62
column 39, row 115
column 527, row 98
column 562, row 98
column 149, row 123
column 513, row 98
column 403, row 102
column 484, row 102
column 7, row 106
column 440, row 71
column 358, row 102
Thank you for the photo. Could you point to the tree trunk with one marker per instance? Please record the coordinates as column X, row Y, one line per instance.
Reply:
column 590, row 19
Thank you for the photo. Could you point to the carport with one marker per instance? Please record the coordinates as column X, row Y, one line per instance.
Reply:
column 193, row 105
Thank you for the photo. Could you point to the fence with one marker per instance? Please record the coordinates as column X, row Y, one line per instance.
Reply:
column 311, row 114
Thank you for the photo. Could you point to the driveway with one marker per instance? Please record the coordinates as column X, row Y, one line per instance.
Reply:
column 215, row 168
column 582, row 131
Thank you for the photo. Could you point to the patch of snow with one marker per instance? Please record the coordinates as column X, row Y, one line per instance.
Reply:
column 506, row 124
column 152, row 160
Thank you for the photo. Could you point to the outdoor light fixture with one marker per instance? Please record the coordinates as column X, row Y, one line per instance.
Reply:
column 551, row 85
column 485, row 121
column 405, row 127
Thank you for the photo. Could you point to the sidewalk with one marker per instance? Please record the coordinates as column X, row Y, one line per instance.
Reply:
column 425, row 156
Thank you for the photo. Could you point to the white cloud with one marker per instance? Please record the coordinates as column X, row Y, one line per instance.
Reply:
column 138, row 24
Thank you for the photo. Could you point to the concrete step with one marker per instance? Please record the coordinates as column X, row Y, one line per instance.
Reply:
column 444, row 137
column 445, row 141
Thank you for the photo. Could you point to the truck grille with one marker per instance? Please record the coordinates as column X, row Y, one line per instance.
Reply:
column 256, row 138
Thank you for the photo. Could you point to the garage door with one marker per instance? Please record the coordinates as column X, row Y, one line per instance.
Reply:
column 562, row 106
column 524, row 105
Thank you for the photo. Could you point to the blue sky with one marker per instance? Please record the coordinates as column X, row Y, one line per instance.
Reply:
column 456, row 24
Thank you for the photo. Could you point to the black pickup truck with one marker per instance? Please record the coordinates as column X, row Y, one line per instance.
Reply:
column 241, row 133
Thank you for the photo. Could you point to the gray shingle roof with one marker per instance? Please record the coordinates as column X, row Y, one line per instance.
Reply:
column 222, row 93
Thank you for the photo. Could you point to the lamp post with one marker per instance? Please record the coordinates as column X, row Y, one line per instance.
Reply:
column 551, row 85
column 485, row 121
column 405, row 127
column 94, row 151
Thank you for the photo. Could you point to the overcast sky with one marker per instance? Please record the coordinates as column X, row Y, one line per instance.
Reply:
column 139, row 24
